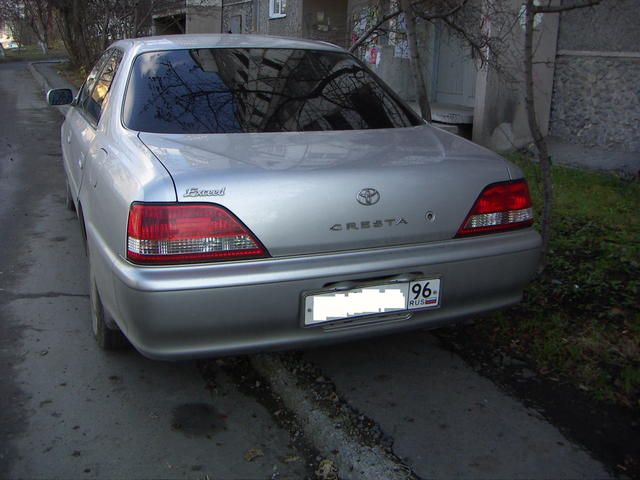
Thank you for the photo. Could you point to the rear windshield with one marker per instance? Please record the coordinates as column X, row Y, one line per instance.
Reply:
column 257, row 90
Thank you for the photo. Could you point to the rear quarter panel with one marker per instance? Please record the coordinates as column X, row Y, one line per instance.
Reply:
column 119, row 171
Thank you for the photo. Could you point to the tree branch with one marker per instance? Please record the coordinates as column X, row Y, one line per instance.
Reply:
column 564, row 8
column 475, row 46
column 442, row 15
column 363, row 38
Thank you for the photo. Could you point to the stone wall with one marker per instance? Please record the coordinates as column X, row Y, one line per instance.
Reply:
column 246, row 10
column 613, row 26
column 596, row 102
column 204, row 19
column 596, row 96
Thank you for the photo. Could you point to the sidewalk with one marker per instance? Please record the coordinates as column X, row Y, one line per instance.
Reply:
column 47, row 76
column 593, row 158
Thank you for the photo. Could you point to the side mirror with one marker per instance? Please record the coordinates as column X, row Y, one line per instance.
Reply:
column 59, row 96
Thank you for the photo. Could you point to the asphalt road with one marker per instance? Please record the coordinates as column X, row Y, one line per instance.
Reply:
column 69, row 410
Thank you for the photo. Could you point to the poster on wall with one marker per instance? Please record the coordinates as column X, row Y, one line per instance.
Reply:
column 373, row 55
column 361, row 22
column 398, row 37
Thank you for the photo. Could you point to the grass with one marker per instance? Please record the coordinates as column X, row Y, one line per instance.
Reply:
column 74, row 75
column 579, row 321
column 33, row 53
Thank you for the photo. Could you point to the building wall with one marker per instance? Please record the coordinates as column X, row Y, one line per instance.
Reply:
column 246, row 10
column 500, row 116
column 325, row 20
column 187, row 16
column 596, row 95
column 288, row 26
column 204, row 16
column 392, row 67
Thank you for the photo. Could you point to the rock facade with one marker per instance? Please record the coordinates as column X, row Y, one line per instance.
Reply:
column 596, row 102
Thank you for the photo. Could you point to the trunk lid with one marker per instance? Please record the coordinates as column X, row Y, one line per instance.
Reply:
column 315, row 192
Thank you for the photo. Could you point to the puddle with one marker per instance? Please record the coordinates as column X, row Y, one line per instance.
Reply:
column 196, row 419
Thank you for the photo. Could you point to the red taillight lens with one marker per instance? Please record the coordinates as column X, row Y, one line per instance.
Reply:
column 172, row 233
column 501, row 206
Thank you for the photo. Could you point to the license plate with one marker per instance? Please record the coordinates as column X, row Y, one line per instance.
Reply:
column 371, row 300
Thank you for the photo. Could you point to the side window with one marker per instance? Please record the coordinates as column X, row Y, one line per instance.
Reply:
column 91, row 79
column 96, row 101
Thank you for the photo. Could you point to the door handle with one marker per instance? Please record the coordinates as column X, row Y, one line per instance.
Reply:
column 81, row 161
column 69, row 137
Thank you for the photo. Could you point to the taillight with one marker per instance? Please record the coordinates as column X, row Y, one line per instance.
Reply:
column 501, row 206
column 187, row 233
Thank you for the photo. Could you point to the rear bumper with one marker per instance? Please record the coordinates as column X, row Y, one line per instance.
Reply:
column 209, row 310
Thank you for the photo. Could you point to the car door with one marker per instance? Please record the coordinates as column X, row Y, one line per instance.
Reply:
column 78, row 131
column 97, row 145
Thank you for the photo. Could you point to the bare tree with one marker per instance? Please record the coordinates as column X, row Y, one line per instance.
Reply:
column 11, row 13
column 417, row 13
column 465, row 18
column 88, row 27
column 28, row 20
column 39, row 15
column 531, row 10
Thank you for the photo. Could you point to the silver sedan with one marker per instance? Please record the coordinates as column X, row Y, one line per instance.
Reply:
column 240, row 193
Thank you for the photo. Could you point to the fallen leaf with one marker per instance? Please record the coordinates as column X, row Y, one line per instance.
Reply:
column 291, row 459
column 327, row 470
column 252, row 454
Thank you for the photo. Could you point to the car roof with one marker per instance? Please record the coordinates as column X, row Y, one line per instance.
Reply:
column 226, row 40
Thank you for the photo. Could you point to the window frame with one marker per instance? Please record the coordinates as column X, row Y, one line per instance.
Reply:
column 80, row 103
column 115, row 52
column 86, row 91
column 272, row 9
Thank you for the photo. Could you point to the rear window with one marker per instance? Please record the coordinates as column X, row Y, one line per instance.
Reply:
column 257, row 90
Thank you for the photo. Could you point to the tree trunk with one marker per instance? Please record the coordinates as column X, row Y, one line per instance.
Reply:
column 71, row 23
column 416, row 64
column 538, row 139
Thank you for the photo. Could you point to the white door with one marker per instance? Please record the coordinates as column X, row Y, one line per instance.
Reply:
column 455, row 71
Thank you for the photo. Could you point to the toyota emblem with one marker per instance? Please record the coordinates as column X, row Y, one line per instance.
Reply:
column 368, row 197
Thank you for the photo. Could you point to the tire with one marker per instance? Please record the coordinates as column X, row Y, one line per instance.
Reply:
column 107, row 337
column 69, row 200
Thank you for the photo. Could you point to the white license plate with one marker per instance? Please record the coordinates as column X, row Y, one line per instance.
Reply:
column 371, row 300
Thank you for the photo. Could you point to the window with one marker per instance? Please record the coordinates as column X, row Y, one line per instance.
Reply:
column 93, row 103
column 277, row 8
column 235, row 24
column 88, row 84
column 237, row 90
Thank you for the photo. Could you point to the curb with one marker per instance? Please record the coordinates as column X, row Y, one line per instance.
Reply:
column 353, row 459
column 42, row 80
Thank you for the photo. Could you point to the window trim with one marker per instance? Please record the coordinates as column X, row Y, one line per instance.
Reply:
column 78, row 101
column 419, row 121
column 275, row 15
column 79, row 107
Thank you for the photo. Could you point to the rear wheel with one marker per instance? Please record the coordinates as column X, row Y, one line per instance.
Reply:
column 106, row 332
column 69, row 200
column 107, row 337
